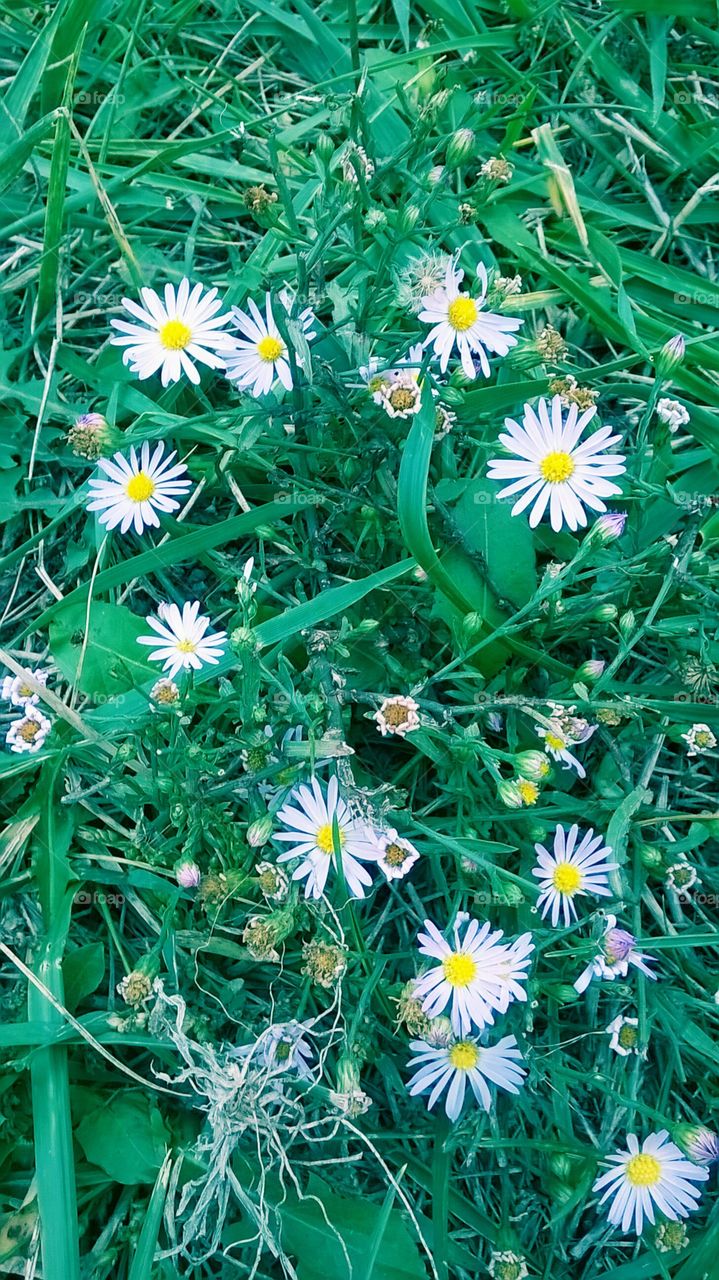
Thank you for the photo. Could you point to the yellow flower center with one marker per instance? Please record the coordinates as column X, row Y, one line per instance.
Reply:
column 628, row 1036
column 29, row 731
column 186, row 646
column 269, row 349
column 554, row 741
column 462, row 313
column 644, row 1170
column 557, row 467
column 395, row 855
column 566, row 878
column 140, row 488
column 25, row 691
column 459, row 969
column 703, row 738
column 529, row 791
column 325, row 839
column 464, row 1055
column 175, row 335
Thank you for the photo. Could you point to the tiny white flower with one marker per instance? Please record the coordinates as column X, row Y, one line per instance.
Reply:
column 396, row 855
column 165, row 693
column 281, row 1047
column 682, row 877
column 452, row 1066
column 699, row 739
column 397, row 715
column 672, row 413
column 173, row 332
column 18, row 692
column 261, row 357
column 183, row 642
column 550, row 469
column 655, row 1175
column 28, row 734
column 624, row 1037
column 138, row 487
column 401, row 397
column 570, row 870
column 457, row 318
column 309, row 816
column 477, row 974
column 616, row 953
column 556, row 745
column 506, row 1265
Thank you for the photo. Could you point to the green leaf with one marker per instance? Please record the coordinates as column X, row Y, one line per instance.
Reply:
column 127, row 1138
column 111, row 661
column 82, row 971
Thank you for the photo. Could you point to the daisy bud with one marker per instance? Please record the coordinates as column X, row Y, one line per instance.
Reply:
column 187, row 874
column 259, row 832
column 532, row 764
column 605, row 613
column 460, row 147
column 651, row 857
column 325, row 148
column 627, row 623
column 408, row 218
column 671, row 354
column 90, row 437
column 244, row 641
column 697, row 1142
column 607, row 528
column 510, row 793
column 590, row 670
column 472, row 624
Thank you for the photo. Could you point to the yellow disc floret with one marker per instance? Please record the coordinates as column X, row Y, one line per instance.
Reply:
column 269, row 349
column 566, row 878
column 644, row 1170
column 324, row 839
column 459, row 969
column 557, row 467
column 554, row 742
column 175, row 335
column 464, row 1055
column 462, row 313
column 140, row 487
column 186, row 646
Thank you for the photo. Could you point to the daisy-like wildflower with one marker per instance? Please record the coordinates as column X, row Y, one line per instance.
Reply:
column 181, row 640
column 28, row 734
column 477, row 974
column 260, row 358
column 16, row 690
column 697, row 1142
column 400, row 398
column 396, row 855
column 506, row 1265
column 165, row 693
column 551, row 469
column 699, row 739
column 397, row 715
column 682, row 877
column 138, row 487
column 571, row 870
column 624, row 1036
column 173, row 332
column 453, row 1066
column 310, row 817
column 273, row 882
column 457, row 318
column 653, row 1175
column 557, row 744
column 282, row 1047
column 616, row 953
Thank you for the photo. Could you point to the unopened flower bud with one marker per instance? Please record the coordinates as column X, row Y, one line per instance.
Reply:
column 671, row 354
column 408, row 218
column 460, row 147
column 627, row 623
column 510, row 794
column 259, row 832
column 697, row 1142
column 605, row 613
column 187, row 874
column 607, row 528
column 532, row 764
column 651, row 857
column 90, row 437
column 590, row 670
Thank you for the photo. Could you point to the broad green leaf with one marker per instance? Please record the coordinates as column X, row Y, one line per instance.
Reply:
column 127, row 1138
column 101, row 657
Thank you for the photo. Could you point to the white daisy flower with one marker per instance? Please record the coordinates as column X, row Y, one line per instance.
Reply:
column 28, row 734
column 550, row 468
column 570, row 870
column 396, row 855
column 477, row 975
column 138, row 488
column 653, row 1175
column 173, row 332
column 397, row 715
column 624, row 1036
column 699, row 739
column 557, row 744
column 460, row 1062
column 260, row 358
column 682, row 877
column 18, row 692
column 309, row 816
column 281, row 1047
column 616, row 954
column 506, row 1265
column 183, row 642
column 458, row 318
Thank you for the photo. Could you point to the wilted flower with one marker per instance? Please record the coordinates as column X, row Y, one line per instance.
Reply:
column 671, row 1237
column 90, row 437
column 354, row 158
column 397, row 715
column 497, row 169
column 27, row 735
column 681, row 877
column 624, row 1036
column 135, row 987
column 506, row 1265
column 672, row 413
column 699, row 739
column 396, row 856
column 273, row 882
column 550, row 344
column 324, row 963
column 16, row 690
column 165, row 693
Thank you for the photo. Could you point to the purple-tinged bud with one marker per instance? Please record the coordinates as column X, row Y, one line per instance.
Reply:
column 187, row 874
column 607, row 528
column 671, row 354
column 697, row 1142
